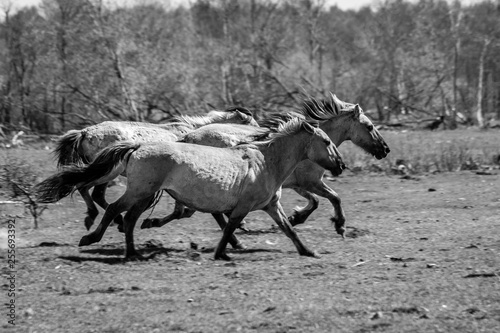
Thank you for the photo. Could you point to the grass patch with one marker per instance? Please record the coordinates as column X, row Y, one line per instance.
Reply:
column 424, row 151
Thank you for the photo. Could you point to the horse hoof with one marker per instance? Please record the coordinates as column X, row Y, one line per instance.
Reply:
column 222, row 256
column 312, row 254
column 239, row 246
column 85, row 241
column 147, row 224
column 339, row 224
column 296, row 220
column 88, row 222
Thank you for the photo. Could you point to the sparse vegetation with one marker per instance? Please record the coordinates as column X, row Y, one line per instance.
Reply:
column 430, row 152
column 17, row 178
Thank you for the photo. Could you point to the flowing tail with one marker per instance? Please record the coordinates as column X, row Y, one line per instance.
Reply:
column 67, row 149
column 106, row 166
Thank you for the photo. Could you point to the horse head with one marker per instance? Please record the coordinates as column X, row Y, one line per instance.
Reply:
column 362, row 132
column 322, row 151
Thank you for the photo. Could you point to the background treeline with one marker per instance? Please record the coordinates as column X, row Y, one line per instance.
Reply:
column 70, row 63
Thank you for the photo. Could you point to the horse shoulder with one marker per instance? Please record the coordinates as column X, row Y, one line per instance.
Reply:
column 306, row 172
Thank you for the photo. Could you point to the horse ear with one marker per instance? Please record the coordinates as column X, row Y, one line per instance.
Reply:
column 308, row 127
column 244, row 116
column 244, row 110
column 357, row 110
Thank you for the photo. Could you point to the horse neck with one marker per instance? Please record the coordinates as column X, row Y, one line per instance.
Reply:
column 284, row 154
column 337, row 128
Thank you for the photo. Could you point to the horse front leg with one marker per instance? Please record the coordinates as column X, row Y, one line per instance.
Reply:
column 301, row 214
column 323, row 190
column 99, row 197
column 92, row 210
column 235, row 243
column 275, row 210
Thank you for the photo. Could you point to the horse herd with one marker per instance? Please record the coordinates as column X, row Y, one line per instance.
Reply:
column 224, row 163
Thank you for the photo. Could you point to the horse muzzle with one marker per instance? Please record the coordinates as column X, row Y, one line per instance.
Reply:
column 337, row 171
column 383, row 154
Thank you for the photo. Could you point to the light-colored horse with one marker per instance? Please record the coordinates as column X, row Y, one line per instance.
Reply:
column 341, row 121
column 82, row 146
column 234, row 180
column 214, row 135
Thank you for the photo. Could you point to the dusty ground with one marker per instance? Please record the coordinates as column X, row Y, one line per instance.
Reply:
column 422, row 255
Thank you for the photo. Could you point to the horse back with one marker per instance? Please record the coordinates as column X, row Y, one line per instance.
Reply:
column 223, row 135
column 100, row 136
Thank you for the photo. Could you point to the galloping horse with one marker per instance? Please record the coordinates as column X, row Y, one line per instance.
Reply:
column 341, row 121
column 234, row 180
column 82, row 146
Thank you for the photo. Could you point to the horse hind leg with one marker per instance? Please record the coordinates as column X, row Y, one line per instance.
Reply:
column 99, row 197
column 233, row 240
column 227, row 234
column 92, row 210
column 117, row 207
column 130, row 220
column 242, row 225
column 338, row 218
column 301, row 214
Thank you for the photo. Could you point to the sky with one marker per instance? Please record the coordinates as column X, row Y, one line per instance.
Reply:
column 342, row 4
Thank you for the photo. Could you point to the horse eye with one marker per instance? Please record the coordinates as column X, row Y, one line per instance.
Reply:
column 370, row 128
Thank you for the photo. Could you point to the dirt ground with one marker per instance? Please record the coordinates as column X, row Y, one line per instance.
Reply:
column 421, row 255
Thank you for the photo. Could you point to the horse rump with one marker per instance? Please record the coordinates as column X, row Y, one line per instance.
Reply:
column 67, row 151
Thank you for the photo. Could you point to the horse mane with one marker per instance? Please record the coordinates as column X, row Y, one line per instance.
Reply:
column 285, row 125
column 288, row 128
column 198, row 121
column 322, row 110
column 273, row 120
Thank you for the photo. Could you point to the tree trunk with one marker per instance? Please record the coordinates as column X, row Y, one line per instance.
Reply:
column 480, row 86
column 226, row 62
column 455, row 21
column 129, row 101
